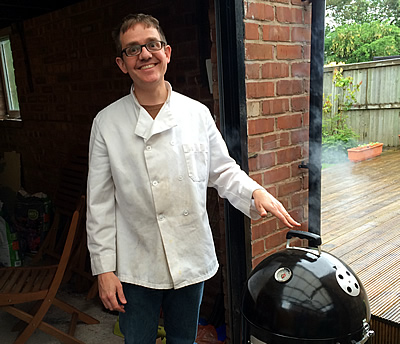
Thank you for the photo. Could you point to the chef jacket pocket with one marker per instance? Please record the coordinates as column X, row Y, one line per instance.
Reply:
column 196, row 156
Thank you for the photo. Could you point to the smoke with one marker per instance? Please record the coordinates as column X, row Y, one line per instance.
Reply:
column 335, row 153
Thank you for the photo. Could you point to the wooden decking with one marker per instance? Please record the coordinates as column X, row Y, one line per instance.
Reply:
column 360, row 224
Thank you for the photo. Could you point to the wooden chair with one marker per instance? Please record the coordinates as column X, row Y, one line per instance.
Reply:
column 40, row 284
column 72, row 183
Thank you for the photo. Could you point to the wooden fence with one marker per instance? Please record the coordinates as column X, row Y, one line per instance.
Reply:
column 376, row 115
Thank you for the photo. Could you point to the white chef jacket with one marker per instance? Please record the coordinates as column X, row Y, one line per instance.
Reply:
column 147, row 191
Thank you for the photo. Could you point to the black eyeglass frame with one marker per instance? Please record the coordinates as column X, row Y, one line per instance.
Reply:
column 141, row 46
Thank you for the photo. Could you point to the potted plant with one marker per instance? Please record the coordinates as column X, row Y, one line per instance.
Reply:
column 365, row 151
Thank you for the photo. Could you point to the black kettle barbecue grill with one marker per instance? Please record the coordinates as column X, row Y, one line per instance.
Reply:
column 305, row 296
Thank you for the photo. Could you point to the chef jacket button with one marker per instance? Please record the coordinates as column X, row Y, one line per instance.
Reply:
column 148, row 148
column 155, row 183
column 186, row 213
column 161, row 217
column 180, row 178
column 172, row 143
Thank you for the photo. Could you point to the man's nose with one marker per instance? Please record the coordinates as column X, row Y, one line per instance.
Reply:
column 144, row 53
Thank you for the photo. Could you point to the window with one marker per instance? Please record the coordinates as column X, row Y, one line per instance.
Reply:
column 9, row 106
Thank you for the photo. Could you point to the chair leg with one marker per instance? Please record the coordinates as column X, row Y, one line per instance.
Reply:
column 93, row 291
column 20, row 326
column 86, row 318
column 72, row 324
column 45, row 327
column 28, row 318
column 33, row 321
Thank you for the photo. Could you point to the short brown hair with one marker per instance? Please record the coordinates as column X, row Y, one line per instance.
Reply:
column 131, row 20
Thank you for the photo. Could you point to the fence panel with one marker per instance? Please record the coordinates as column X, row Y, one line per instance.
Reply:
column 376, row 116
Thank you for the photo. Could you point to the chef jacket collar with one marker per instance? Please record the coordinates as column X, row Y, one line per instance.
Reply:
column 146, row 126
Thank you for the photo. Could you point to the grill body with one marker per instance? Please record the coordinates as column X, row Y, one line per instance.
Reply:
column 304, row 295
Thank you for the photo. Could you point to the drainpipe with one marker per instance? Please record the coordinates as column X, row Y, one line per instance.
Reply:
column 316, row 99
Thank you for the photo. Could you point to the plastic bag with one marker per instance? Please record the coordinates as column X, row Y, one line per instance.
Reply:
column 32, row 219
column 9, row 245
column 207, row 335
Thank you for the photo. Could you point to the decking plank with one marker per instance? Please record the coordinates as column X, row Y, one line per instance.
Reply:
column 360, row 224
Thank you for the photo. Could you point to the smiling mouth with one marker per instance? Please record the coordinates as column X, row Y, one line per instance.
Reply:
column 147, row 66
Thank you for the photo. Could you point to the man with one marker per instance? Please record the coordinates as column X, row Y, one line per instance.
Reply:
column 153, row 153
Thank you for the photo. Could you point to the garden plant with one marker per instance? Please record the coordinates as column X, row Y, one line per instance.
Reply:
column 337, row 136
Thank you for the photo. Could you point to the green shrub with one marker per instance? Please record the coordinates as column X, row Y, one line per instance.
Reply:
column 337, row 136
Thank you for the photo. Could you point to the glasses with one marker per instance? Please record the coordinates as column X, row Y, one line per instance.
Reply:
column 136, row 49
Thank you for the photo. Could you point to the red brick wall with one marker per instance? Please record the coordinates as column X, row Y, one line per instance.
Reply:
column 277, row 45
column 66, row 72
column 277, row 53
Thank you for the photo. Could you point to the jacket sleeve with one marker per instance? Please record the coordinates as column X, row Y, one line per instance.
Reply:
column 100, row 225
column 227, row 177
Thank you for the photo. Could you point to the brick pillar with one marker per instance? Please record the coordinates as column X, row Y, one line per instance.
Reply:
column 277, row 44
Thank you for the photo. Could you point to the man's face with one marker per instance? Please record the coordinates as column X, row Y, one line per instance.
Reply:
column 148, row 68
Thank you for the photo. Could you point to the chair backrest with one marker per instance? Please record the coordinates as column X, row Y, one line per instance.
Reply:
column 62, row 265
column 72, row 181
column 71, row 184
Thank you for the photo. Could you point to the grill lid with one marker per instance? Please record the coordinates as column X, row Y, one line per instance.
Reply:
column 306, row 293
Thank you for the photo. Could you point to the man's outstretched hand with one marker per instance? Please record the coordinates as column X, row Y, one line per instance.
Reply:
column 265, row 203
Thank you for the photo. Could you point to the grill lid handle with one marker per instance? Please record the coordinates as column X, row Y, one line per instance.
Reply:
column 314, row 240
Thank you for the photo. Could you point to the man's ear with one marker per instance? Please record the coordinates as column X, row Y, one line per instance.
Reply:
column 121, row 64
column 168, row 51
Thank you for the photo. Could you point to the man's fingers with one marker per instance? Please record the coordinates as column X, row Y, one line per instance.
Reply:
column 289, row 221
column 118, row 307
column 265, row 202
column 111, row 292
column 111, row 303
column 121, row 295
column 294, row 222
column 262, row 211
column 285, row 221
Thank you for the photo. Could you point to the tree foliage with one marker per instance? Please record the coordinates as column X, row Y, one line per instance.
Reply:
column 351, row 43
column 340, row 12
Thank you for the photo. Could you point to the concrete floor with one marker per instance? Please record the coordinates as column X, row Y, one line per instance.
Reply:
column 89, row 334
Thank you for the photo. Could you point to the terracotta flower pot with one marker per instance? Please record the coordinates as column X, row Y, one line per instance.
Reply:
column 364, row 152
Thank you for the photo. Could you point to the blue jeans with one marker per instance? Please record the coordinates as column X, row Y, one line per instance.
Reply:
column 180, row 308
